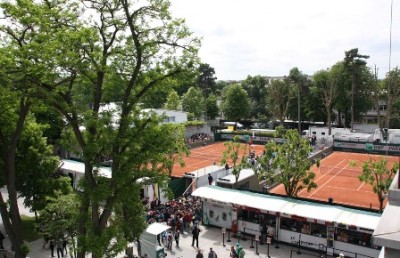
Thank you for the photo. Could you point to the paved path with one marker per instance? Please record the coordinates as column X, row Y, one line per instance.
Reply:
column 209, row 237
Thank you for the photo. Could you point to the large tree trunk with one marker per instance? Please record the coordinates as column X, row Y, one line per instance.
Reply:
column 11, row 216
column 329, row 114
column 82, row 226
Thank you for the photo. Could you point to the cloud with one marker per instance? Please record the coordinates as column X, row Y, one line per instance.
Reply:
column 258, row 37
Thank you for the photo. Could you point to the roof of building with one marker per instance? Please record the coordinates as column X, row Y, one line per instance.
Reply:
column 73, row 166
column 291, row 207
column 231, row 179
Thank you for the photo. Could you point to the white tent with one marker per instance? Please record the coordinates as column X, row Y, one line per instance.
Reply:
column 148, row 239
column 291, row 207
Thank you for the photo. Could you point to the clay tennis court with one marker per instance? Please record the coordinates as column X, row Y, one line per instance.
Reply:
column 337, row 179
column 205, row 156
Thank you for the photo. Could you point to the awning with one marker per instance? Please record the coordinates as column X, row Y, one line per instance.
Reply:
column 157, row 228
column 291, row 207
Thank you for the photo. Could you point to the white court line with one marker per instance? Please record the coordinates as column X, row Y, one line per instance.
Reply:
column 316, row 190
column 358, row 189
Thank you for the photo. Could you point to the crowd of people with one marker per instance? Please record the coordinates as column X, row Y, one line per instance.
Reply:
column 199, row 137
column 182, row 215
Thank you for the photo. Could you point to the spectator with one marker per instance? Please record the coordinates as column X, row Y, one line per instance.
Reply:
column 212, row 253
column 195, row 235
column 199, row 254
column 177, row 234
column 210, row 179
column 2, row 237
column 60, row 249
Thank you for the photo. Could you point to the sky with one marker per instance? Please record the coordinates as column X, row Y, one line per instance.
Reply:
column 270, row 37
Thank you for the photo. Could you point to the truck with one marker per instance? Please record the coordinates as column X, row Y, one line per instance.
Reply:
column 343, row 134
column 391, row 136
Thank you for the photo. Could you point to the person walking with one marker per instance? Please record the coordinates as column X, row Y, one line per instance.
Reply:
column 195, row 235
column 210, row 179
column 177, row 235
column 65, row 243
column 212, row 253
column 199, row 254
column 233, row 253
column 52, row 247
column 2, row 237
column 60, row 248
column 169, row 240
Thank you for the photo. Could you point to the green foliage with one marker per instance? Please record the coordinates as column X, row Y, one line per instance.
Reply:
column 288, row 163
column 377, row 174
column 256, row 87
column 355, row 64
column 235, row 103
column 194, row 123
column 193, row 102
column 126, row 53
column 237, row 154
column 300, row 87
column 212, row 109
column 391, row 85
column 25, row 249
column 60, row 218
column 37, row 167
column 176, row 154
column 30, row 229
column 206, row 80
column 279, row 95
column 172, row 101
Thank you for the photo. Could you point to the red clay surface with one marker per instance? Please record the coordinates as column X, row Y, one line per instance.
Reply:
column 205, row 156
column 335, row 177
column 338, row 180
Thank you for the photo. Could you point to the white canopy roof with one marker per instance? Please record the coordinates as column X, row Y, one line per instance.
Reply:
column 157, row 228
column 72, row 166
column 203, row 171
column 231, row 179
column 291, row 207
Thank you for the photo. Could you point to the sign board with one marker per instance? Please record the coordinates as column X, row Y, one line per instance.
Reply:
column 223, row 230
column 257, row 237
column 269, row 240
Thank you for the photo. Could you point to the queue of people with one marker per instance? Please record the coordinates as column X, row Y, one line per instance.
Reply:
column 199, row 137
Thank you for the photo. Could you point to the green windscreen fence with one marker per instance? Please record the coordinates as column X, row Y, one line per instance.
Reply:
column 177, row 186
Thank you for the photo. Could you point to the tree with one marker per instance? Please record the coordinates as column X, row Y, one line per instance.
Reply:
column 301, row 84
column 353, row 61
column 193, row 102
column 14, row 111
column 76, row 51
column 212, row 109
column 36, row 167
column 206, row 80
column 279, row 95
column 326, row 83
column 60, row 218
column 288, row 163
column 392, row 87
column 237, row 153
column 377, row 174
column 175, row 156
column 172, row 101
column 256, row 88
column 27, row 164
column 235, row 103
